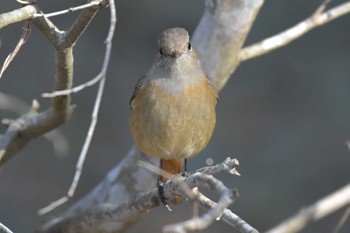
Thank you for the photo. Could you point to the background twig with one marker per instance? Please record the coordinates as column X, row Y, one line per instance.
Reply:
column 293, row 33
column 317, row 211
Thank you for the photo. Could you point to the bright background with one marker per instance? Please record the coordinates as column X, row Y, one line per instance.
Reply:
column 285, row 115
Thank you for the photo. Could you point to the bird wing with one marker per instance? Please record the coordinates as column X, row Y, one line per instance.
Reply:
column 137, row 88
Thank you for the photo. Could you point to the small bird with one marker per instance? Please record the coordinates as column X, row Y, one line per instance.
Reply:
column 173, row 104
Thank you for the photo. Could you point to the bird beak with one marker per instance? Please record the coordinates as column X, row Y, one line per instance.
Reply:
column 175, row 54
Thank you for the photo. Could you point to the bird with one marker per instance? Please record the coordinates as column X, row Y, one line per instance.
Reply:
column 173, row 105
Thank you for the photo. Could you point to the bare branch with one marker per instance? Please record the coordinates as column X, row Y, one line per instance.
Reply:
column 103, row 71
column 227, row 166
column 34, row 124
column 96, row 218
column 317, row 211
column 322, row 7
column 94, row 117
column 19, row 15
column 25, row 35
column 291, row 34
column 4, row 228
column 227, row 216
column 82, row 22
column 70, row 10
column 220, row 35
column 342, row 220
column 200, row 223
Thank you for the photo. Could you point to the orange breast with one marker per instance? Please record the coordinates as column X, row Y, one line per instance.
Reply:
column 173, row 125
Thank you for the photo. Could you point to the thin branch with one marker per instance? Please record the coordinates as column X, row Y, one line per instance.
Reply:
column 97, row 78
column 74, row 89
column 293, row 33
column 30, row 11
column 227, row 216
column 70, row 10
column 315, row 212
column 202, row 222
column 82, row 22
column 342, row 220
column 4, row 228
column 94, row 117
column 227, row 166
column 24, row 37
column 322, row 7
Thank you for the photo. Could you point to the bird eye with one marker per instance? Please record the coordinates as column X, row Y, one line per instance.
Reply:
column 161, row 52
column 189, row 47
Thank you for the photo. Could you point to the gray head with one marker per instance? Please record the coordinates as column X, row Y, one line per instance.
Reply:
column 176, row 59
column 174, row 42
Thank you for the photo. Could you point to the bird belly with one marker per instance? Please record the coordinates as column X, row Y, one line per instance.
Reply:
column 173, row 126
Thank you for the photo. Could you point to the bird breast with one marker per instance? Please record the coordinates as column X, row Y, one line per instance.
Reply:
column 171, row 119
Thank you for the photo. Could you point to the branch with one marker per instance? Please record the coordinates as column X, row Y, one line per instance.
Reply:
column 25, row 35
column 220, row 35
column 98, row 217
column 73, row 9
column 19, row 15
column 4, row 228
column 30, row 11
column 35, row 124
column 291, row 34
column 227, row 216
column 315, row 212
column 15, row 105
column 94, row 117
column 200, row 223
column 127, row 178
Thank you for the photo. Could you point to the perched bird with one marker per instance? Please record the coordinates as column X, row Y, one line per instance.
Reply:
column 173, row 104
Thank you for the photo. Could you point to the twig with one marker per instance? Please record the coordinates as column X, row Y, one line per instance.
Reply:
column 216, row 210
column 227, row 216
column 4, row 228
column 202, row 222
column 228, row 166
column 317, row 211
column 322, row 7
column 91, row 82
column 70, row 10
column 25, row 35
column 342, row 220
column 293, row 33
column 74, row 89
column 94, row 117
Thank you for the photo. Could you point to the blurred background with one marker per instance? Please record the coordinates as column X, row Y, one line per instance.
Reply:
column 284, row 115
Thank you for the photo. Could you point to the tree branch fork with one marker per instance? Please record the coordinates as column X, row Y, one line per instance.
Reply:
column 33, row 124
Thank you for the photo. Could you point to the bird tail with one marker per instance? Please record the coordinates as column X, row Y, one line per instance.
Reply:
column 172, row 166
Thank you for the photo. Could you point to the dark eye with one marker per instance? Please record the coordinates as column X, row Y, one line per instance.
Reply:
column 161, row 52
column 189, row 47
